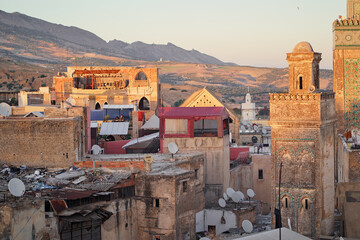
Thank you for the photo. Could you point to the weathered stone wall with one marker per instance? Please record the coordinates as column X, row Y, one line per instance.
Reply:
column 217, row 162
column 241, row 177
column 40, row 142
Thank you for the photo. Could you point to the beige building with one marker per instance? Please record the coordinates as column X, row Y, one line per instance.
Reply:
column 96, row 86
column 303, row 141
column 206, row 98
column 248, row 109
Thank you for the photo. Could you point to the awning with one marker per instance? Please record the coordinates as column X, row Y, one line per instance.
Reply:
column 118, row 106
column 141, row 139
column 152, row 124
column 114, row 128
column 85, row 215
column 93, row 124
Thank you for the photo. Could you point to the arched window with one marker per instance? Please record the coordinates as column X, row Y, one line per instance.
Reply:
column 105, row 103
column 144, row 104
column 306, row 204
column 286, row 203
column 141, row 76
column 97, row 106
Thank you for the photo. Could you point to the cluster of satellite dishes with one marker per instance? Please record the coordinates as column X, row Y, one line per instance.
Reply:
column 249, row 127
column 237, row 197
column 5, row 109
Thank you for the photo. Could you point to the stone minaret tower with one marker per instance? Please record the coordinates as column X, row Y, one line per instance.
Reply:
column 346, row 75
column 303, row 140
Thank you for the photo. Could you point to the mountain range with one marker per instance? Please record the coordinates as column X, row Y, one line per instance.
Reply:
column 27, row 38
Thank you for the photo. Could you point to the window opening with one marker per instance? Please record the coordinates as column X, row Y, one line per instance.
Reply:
column 261, row 174
column 157, row 202
column 97, row 106
column 306, row 204
column 300, row 83
column 286, row 203
column 185, row 186
column 141, row 76
column 144, row 104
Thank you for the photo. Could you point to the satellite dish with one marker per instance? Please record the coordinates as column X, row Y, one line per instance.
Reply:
column 204, row 238
column 236, row 197
column 243, row 129
column 96, row 149
column 264, row 131
column 230, row 191
column 250, row 193
column 225, row 196
column 242, row 197
column 149, row 159
column 16, row 187
column 5, row 109
column 256, row 128
column 173, row 148
column 222, row 202
column 247, row 226
column 71, row 101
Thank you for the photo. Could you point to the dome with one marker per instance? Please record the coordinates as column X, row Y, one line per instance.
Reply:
column 303, row 47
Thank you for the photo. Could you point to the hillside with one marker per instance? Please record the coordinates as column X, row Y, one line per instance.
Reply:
column 30, row 39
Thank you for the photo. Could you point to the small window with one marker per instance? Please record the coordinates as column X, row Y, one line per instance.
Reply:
column 300, row 83
column 306, row 204
column 141, row 76
column 156, row 202
column 185, row 186
column 261, row 174
column 156, row 237
column 196, row 173
column 286, row 203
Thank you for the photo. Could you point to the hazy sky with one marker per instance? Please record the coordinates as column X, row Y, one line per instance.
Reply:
column 253, row 32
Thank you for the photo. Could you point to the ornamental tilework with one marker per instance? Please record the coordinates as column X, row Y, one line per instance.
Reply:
column 352, row 94
column 356, row 8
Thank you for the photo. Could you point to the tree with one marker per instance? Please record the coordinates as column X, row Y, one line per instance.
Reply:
column 179, row 102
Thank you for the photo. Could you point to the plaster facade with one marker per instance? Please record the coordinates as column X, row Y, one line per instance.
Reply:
column 248, row 109
column 303, row 141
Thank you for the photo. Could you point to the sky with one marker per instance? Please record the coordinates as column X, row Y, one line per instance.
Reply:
column 252, row 33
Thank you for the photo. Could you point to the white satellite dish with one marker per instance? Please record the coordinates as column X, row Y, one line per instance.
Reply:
column 225, row 196
column 71, row 101
column 236, row 197
column 250, row 193
column 256, row 128
column 16, row 187
column 243, row 129
column 204, row 238
column 173, row 148
column 222, row 202
column 96, row 149
column 264, row 131
column 5, row 109
column 247, row 226
column 230, row 191
column 242, row 197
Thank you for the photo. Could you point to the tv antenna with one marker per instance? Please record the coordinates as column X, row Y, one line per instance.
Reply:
column 230, row 191
column 247, row 226
column 242, row 197
column 16, row 187
column 250, row 193
column 5, row 109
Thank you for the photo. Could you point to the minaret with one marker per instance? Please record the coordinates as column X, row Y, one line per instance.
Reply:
column 303, row 140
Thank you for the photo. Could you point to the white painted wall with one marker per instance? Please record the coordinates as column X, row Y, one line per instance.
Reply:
column 213, row 217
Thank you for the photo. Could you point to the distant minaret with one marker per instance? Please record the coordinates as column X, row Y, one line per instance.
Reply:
column 248, row 108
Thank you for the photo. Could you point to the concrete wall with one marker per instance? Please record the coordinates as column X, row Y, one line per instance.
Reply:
column 40, row 142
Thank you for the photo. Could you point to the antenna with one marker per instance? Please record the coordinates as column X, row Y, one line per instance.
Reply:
column 222, row 202
column 96, row 149
column 230, row 191
column 250, row 193
column 149, row 159
column 225, row 196
column 173, row 148
column 247, row 226
column 16, row 187
column 5, row 109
